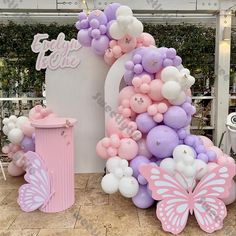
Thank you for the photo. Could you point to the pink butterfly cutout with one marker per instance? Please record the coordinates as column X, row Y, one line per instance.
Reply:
column 37, row 193
column 176, row 203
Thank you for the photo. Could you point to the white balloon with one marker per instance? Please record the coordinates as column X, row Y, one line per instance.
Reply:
column 170, row 73
column 113, row 163
column 179, row 100
column 118, row 173
column 136, row 28
column 13, row 118
column 124, row 11
column 169, row 165
column 188, row 159
column 110, row 184
column 15, row 136
column 191, row 81
column 185, row 71
column 189, row 171
column 21, row 121
column 5, row 121
column 180, row 166
column 124, row 21
column 5, row 130
column 11, row 125
column 128, row 171
column 181, row 150
column 124, row 164
column 128, row 187
column 202, row 169
column 115, row 31
column 180, row 67
column 171, row 90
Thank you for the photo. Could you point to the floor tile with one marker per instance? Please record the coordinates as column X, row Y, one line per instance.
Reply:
column 11, row 182
column 112, row 218
column 10, row 202
column 25, row 232
column 118, row 199
column 94, row 181
column 7, row 217
column 3, row 193
column 81, row 180
column 41, row 220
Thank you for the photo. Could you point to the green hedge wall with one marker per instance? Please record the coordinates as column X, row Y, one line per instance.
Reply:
column 195, row 44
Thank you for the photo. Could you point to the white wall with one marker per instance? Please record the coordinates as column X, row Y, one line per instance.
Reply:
column 70, row 93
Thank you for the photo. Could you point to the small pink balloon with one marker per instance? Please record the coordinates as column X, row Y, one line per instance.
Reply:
column 115, row 141
column 158, row 118
column 206, row 141
column 152, row 110
column 28, row 129
column 106, row 142
column 225, row 160
column 101, row 150
column 137, row 81
column 128, row 149
column 112, row 152
column 136, row 135
column 145, row 88
column 14, row 170
column 142, row 149
column 232, row 194
column 146, row 40
column 109, row 59
column 155, row 90
column 162, row 107
column 126, row 93
column 127, row 43
column 139, row 103
column 117, row 52
column 15, row 148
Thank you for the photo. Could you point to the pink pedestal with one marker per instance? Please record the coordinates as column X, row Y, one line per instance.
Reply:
column 55, row 145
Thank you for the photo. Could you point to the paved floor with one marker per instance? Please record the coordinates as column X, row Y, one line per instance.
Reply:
column 94, row 214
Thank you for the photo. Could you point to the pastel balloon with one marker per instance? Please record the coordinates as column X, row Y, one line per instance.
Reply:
column 202, row 169
column 169, row 165
column 128, row 149
column 101, row 150
column 143, row 198
column 206, row 141
column 110, row 11
column 171, row 90
column 128, row 187
column 27, row 144
column 100, row 45
column 127, row 43
column 28, row 129
column 142, row 149
column 155, row 90
column 21, row 121
column 14, row 170
column 182, row 151
column 217, row 150
column 98, row 15
column 15, row 136
column 170, row 73
column 145, row 122
column 137, row 162
column 146, row 39
column 84, row 38
column 126, row 93
column 161, row 141
column 170, row 117
column 139, row 103
column 110, row 183
column 232, row 194
column 152, row 61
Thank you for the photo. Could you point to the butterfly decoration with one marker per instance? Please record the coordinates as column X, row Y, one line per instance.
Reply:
column 176, row 203
column 37, row 192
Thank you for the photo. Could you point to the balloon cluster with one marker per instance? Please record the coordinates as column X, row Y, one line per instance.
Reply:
column 119, row 178
column 112, row 33
column 152, row 120
column 20, row 133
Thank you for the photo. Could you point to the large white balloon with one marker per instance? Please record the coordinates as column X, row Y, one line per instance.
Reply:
column 115, row 31
column 171, row 90
column 113, row 163
column 136, row 28
column 110, row 184
column 5, row 130
column 170, row 73
column 13, row 118
column 128, row 187
column 169, row 165
column 124, row 11
column 182, row 150
column 179, row 100
column 5, row 121
column 15, row 136
column 21, row 121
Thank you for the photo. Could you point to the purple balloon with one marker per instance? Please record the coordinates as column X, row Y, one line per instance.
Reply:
column 161, row 141
column 98, row 15
column 27, row 144
column 143, row 198
column 175, row 117
column 177, row 61
column 137, row 58
column 190, row 140
column 203, row 157
column 145, row 122
column 200, row 149
column 152, row 61
column 96, row 34
column 84, row 38
column 142, row 180
column 103, row 29
column 182, row 133
column 82, row 16
column 110, row 11
column 167, row 62
column 211, row 155
column 100, row 45
column 171, row 53
column 136, row 162
column 138, row 69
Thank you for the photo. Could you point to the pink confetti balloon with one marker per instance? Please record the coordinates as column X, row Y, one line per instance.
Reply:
column 127, row 43
column 139, row 103
column 128, row 149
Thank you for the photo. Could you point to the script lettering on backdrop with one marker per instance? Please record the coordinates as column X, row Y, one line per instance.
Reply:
column 60, row 49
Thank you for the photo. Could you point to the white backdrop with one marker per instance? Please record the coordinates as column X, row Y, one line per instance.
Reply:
column 70, row 93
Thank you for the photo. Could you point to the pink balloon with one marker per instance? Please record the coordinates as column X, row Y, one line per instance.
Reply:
column 139, row 103
column 146, row 40
column 15, row 148
column 126, row 93
column 128, row 149
column 127, row 43
column 206, row 141
column 28, row 129
column 232, row 194
column 109, row 58
column 5, row 149
column 14, row 170
column 212, row 166
column 142, row 149
column 225, row 160
column 155, row 90
column 101, row 150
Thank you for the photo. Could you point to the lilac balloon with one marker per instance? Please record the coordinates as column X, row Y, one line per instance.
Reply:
column 163, row 51
column 211, row 155
column 137, row 58
column 177, row 61
column 152, row 61
column 161, row 141
column 110, row 11
column 94, row 23
column 175, row 117
column 129, row 65
column 171, row 53
column 143, row 198
column 96, row 34
column 190, row 140
column 167, row 62
column 103, row 29
column 203, row 157
column 136, row 163
column 77, row 25
column 27, row 144
column 84, row 38
column 128, row 77
column 182, row 133
column 100, row 45
column 82, row 16
column 142, row 180
column 200, row 149
column 138, row 69
column 98, row 15
column 84, row 24
column 145, row 122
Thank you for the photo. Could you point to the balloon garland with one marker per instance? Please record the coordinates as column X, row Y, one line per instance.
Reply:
column 155, row 109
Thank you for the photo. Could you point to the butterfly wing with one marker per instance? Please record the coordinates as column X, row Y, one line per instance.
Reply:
column 36, row 193
column 173, row 210
column 209, row 210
